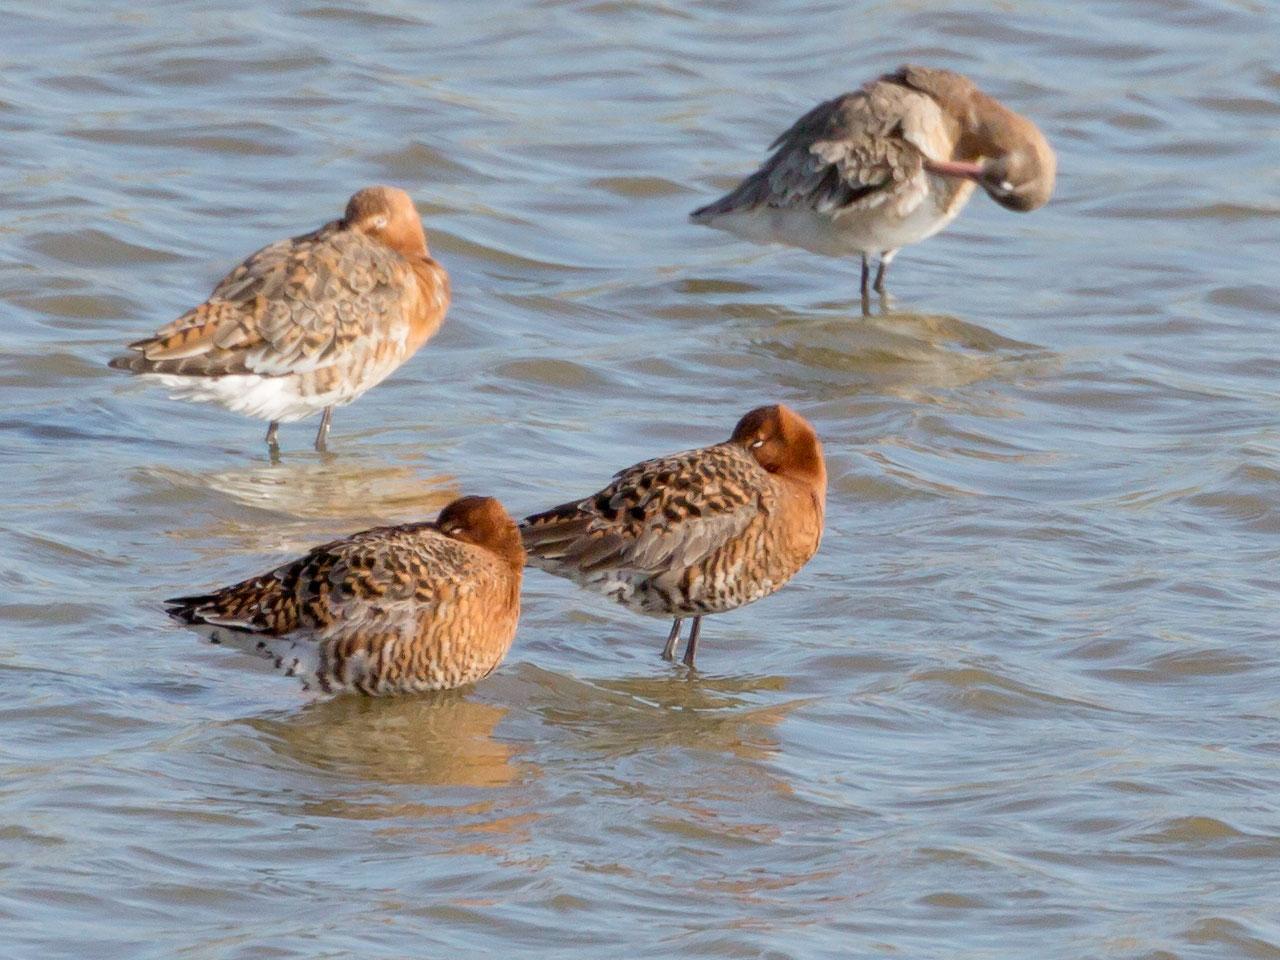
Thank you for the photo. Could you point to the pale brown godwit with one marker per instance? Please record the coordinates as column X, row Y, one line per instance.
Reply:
column 307, row 324
column 891, row 164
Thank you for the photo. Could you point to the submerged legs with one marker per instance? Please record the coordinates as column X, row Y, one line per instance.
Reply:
column 886, row 258
column 673, row 639
column 669, row 651
column 690, row 651
column 322, row 435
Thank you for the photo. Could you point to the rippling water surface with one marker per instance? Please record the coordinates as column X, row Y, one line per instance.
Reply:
column 1024, row 703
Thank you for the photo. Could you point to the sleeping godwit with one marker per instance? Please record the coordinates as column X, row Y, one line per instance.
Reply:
column 698, row 532
column 423, row 606
column 891, row 164
column 307, row 324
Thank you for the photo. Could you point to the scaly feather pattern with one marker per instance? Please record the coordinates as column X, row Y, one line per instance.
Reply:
column 307, row 323
column 860, row 150
column 425, row 606
column 698, row 532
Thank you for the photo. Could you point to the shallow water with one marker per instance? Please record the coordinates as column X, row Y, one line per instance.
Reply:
column 1024, row 703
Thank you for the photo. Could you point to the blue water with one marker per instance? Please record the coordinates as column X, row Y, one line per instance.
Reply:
column 1022, row 704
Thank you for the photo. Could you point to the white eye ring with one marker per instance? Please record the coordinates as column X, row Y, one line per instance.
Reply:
column 453, row 530
column 380, row 221
column 1006, row 186
column 757, row 445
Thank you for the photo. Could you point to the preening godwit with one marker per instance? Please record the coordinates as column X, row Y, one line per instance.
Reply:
column 307, row 324
column 698, row 532
column 423, row 606
column 891, row 164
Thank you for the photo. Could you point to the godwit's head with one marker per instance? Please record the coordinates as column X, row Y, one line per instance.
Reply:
column 387, row 214
column 1003, row 151
column 783, row 442
column 483, row 521
column 1021, row 177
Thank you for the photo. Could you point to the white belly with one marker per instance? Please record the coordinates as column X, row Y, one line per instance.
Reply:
column 281, row 398
column 267, row 398
column 294, row 656
column 855, row 230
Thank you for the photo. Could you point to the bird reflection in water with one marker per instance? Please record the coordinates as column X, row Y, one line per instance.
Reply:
column 443, row 739
column 279, row 509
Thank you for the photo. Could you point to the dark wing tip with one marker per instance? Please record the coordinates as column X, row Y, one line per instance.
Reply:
column 135, row 361
column 124, row 362
column 726, row 204
column 186, row 608
column 552, row 530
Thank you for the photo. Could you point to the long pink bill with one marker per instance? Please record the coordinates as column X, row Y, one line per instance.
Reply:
column 954, row 168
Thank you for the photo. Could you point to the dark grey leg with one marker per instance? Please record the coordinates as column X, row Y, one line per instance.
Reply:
column 886, row 258
column 866, row 277
column 691, row 650
column 323, row 433
column 669, row 651
column 272, row 431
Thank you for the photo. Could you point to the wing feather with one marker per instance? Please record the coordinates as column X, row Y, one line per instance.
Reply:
column 656, row 516
column 853, row 151
column 385, row 577
column 292, row 307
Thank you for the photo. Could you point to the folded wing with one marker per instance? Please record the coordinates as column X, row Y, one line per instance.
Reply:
column 660, row 515
column 852, row 151
column 382, row 579
column 292, row 307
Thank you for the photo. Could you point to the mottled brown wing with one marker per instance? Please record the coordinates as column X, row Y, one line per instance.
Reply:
column 389, row 574
column 293, row 306
column 849, row 151
column 659, row 515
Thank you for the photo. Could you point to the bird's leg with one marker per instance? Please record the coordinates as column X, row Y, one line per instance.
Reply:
column 323, row 433
column 866, row 286
column 272, row 432
column 669, row 651
column 886, row 258
column 691, row 649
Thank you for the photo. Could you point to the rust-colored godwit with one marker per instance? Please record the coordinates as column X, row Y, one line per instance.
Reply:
column 698, row 532
column 423, row 606
column 307, row 324
column 891, row 164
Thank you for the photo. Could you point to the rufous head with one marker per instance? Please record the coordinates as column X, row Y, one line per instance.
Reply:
column 387, row 214
column 1004, row 152
column 483, row 521
column 782, row 442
